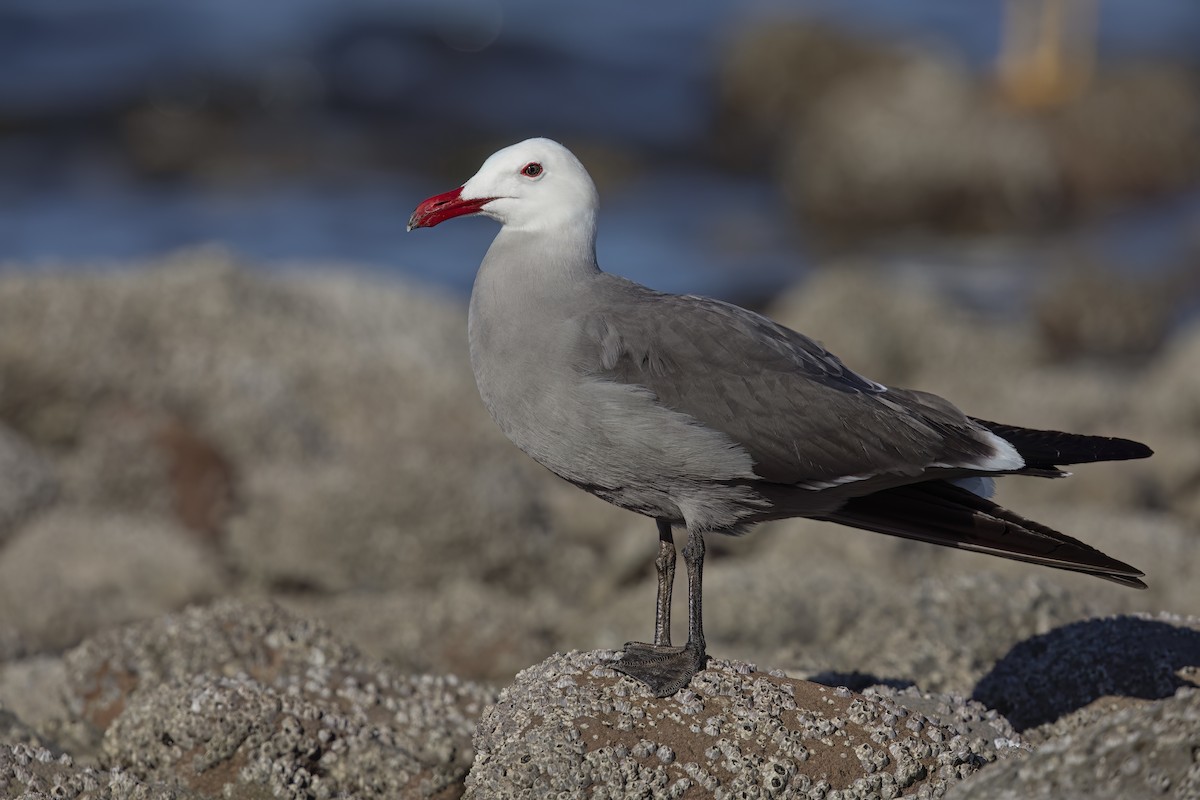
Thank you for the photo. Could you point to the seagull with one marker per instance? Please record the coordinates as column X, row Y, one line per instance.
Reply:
column 706, row 416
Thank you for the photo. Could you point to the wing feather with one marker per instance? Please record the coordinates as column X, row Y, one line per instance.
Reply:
column 803, row 415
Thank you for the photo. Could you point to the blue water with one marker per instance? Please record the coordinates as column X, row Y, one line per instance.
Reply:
column 632, row 76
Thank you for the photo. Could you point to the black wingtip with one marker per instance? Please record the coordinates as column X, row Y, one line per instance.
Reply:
column 1041, row 448
column 942, row 513
column 1137, row 449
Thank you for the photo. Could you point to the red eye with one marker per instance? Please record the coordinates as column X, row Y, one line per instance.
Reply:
column 531, row 170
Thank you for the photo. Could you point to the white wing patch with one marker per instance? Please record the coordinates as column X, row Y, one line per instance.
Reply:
column 1005, row 458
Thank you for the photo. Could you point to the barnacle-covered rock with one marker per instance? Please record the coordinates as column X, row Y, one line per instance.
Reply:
column 572, row 724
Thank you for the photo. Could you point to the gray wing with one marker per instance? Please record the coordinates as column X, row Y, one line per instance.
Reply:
column 804, row 417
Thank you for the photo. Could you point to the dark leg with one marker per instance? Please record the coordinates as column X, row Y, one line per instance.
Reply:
column 667, row 669
column 693, row 557
column 665, row 565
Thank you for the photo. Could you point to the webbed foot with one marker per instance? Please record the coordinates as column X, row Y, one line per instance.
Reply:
column 665, row 670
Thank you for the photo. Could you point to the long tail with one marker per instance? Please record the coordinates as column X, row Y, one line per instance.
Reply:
column 945, row 514
column 1050, row 449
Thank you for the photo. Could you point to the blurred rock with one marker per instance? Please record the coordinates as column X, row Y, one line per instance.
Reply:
column 915, row 335
column 771, row 77
column 1137, row 750
column 570, row 724
column 1171, row 398
column 918, row 145
column 139, row 460
column 1050, row 675
column 328, row 428
column 70, row 573
column 475, row 631
column 1092, row 312
column 412, row 518
column 27, row 481
column 14, row 731
column 33, row 692
column 1132, row 133
column 865, row 135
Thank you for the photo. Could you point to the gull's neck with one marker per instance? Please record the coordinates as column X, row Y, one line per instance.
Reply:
column 549, row 254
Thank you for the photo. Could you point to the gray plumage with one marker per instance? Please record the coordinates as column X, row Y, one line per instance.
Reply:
column 699, row 413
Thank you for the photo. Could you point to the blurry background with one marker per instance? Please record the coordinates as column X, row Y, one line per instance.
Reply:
column 736, row 144
column 996, row 201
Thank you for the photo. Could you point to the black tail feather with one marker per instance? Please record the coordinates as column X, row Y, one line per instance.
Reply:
column 1048, row 449
column 945, row 514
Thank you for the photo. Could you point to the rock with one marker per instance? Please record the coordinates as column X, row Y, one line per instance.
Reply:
column 470, row 629
column 1171, row 398
column 1138, row 750
column 13, row 730
column 323, row 429
column 406, row 517
column 1130, row 134
column 946, row 631
column 571, row 725
column 900, row 347
column 231, row 736
column 238, row 695
column 771, row 76
column 918, row 145
column 1090, row 311
column 140, row 460
column 32, row 772
column 1050, row 675
column 71, row 572
column 27, row 481
column 32, row 692
column 864, row 135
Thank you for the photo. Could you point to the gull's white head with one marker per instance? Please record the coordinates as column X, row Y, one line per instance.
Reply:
column 531, row 185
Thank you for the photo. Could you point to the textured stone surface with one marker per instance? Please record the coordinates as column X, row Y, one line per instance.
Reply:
column 30, row 772
column 1140, row 750
column 339, row 738
column 571, row 727
column 248, row 695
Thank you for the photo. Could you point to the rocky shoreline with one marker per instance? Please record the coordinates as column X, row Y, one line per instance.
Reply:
column 258, row 538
